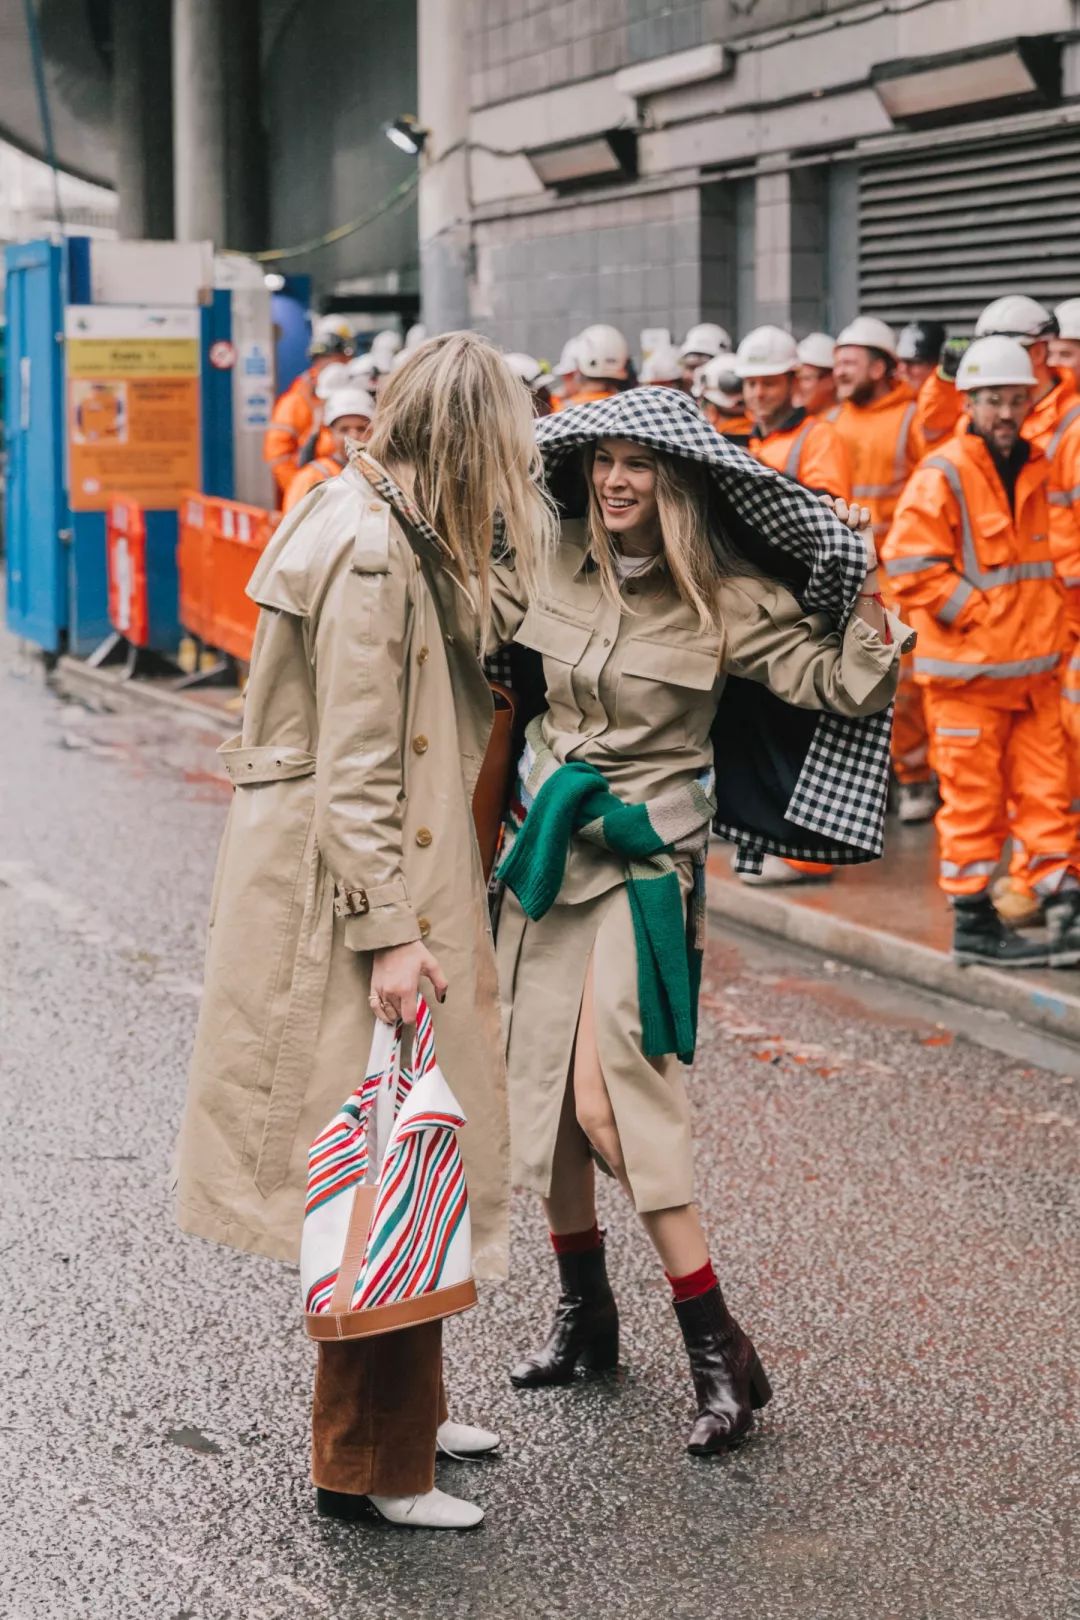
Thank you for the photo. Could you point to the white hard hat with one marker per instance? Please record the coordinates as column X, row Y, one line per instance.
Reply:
column 867, row 332
column 524, row 366
column 706, row 339
column 1017, row 316
column 365, row 367
column 663, row 365
column 767, row 351
column 718, row 382
column 386, row 343
column 995, row 362
column 335, row 375
column 348, row 402
column 330, row 334
column 416, row 335
column 817, row 350
column 1068, row 319
column 604, row 353
column 567, row 364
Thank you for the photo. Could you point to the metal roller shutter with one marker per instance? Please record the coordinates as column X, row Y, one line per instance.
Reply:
column 941, row 233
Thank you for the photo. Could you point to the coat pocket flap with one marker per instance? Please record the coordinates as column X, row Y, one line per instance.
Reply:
column 554, row 637
column 263, row 764
column 695, row 667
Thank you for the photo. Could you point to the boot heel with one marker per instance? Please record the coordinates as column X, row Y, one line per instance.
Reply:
column 760, row 1388
column 602, row 1355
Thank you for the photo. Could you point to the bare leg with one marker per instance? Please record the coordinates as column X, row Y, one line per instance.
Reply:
column 676, row 1234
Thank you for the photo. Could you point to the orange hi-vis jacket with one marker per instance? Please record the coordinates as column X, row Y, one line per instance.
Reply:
column 808, row 449
column 976, row 580
column 1063, row 454
column 1044, row 419
column 884, row 445
column 939, row 407
column 290, row 423
column 316, row 472
column 584, row 396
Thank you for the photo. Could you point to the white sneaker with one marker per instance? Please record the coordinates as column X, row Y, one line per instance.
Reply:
column 460, row 1440
column 432, row 1511
column 775, row 871
column 917, row 801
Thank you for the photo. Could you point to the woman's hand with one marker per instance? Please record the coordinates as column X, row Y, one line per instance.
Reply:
column 857, row 518
column 395, row 980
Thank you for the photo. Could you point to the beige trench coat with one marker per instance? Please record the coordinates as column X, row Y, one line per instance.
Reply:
column 633, row 690
column 365, row 724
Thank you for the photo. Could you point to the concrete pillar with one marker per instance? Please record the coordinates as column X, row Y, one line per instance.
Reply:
column 142, row 118
column 443, row 201
column 220, row 172
column 790, row 227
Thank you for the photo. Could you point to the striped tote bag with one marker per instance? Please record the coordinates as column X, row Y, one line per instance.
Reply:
column 386, row 1241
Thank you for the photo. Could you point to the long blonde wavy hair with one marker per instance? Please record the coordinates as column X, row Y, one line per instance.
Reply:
column 694, row 550
column 457, row 416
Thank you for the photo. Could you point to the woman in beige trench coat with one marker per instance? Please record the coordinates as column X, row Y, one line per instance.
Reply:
column 646, row 613
column 349, row 869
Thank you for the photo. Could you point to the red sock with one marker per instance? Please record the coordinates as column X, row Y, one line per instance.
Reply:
column 576, row 1242
column 693, row 1284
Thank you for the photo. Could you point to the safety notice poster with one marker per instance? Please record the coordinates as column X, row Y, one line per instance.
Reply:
column 132, row 404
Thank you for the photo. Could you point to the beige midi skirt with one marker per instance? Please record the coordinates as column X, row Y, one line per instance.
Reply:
column 542, row 967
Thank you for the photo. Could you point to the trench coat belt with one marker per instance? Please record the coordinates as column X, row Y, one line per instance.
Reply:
column 265, row 764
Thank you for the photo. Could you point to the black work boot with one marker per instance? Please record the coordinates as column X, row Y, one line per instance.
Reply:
column 585, row 1332
column 729, row 1380
column 979, row 935
column 1063, row 928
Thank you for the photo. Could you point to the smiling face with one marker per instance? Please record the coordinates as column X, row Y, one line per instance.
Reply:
column 624, row 483
column 997, row 414
column 769, row 399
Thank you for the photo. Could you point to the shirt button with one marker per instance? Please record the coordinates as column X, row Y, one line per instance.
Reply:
column 423, row 655
column 423, row 836
column 424, row 926
column 420, row 744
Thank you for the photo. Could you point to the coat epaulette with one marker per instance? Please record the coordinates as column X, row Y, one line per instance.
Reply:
column 371, row 548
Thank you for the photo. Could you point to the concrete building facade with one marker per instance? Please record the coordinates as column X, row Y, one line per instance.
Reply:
column 792, row 161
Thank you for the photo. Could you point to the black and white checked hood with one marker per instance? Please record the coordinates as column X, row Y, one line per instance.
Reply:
column 788, row 783
column 760, row 510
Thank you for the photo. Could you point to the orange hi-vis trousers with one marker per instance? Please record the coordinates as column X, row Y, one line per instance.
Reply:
column 910, row 737
column 988, row 760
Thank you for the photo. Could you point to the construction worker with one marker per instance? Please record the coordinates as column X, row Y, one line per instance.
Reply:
column 662, row 368
column 803, row 447
column 602, row 362
column 1032, row 324
column 537, row 379
column 876, row 420
column 1063, row 453
column 347, row 416
column 294, row 410
column 700, row 345
column 918, row 351
column 968, row 558
column 815, row 386
column 784, row 436
column 564, row 374
column 719, row 394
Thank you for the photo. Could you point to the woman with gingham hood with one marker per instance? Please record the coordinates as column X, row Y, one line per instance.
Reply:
column 714, row 654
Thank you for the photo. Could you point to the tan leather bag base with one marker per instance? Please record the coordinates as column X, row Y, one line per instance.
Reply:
column 493, row 784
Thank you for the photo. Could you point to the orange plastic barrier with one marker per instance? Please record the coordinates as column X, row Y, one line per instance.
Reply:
column 219, row 544
column 125, row 560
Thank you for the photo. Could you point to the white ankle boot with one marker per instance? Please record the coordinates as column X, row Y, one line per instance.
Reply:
column 432, row 1511
column 459, row 1440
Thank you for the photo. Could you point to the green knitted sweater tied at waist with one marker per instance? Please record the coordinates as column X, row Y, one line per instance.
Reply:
column 557, row 802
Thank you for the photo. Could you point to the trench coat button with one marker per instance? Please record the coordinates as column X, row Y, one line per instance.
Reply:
column 376, row 506
column 607, row 641
column 420, row 744
column 423, row 655
column 424, row 927
column 423, row 836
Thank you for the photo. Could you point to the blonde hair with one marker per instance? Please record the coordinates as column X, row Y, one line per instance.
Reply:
column 696, row 553
column 463, row 422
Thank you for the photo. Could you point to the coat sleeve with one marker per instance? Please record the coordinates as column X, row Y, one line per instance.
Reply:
column 940, row 406
column 281, row 443
column 1064, row 497
column 361, row 651
column 825, row 466
column 508, row 605
column 771, row 639
column 922, row 557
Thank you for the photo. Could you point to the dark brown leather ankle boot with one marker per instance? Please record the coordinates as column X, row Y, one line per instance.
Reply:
column 729, row 1380
column 585, row 1332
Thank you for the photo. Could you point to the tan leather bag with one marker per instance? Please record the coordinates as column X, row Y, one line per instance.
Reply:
column 493, row 784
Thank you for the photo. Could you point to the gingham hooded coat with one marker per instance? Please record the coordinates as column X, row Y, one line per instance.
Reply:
column 811, row 786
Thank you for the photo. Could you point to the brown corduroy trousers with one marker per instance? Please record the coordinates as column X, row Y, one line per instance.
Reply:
column 378, row 1403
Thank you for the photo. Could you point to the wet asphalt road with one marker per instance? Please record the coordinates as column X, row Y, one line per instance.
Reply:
column 894, row 1211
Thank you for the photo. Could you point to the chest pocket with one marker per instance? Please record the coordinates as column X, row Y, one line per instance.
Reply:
column 993, row 539
column 562, row 643
column 666, row 686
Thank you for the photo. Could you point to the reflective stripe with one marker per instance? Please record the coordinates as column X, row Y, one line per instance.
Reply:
column 791, row 465
column 833, row 414
column 283, row 427
column 1059, row 432
column 876, row 492
column 900, row 463
column 1065, row 497
column 1041, row 860
column 1070, row 694
column 968, row 869
column 1071, row 579
column 912, row 565
column 988, row 580
column 1074, row 661
column 957, row 731
column 996, row 672
column 950, row 611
